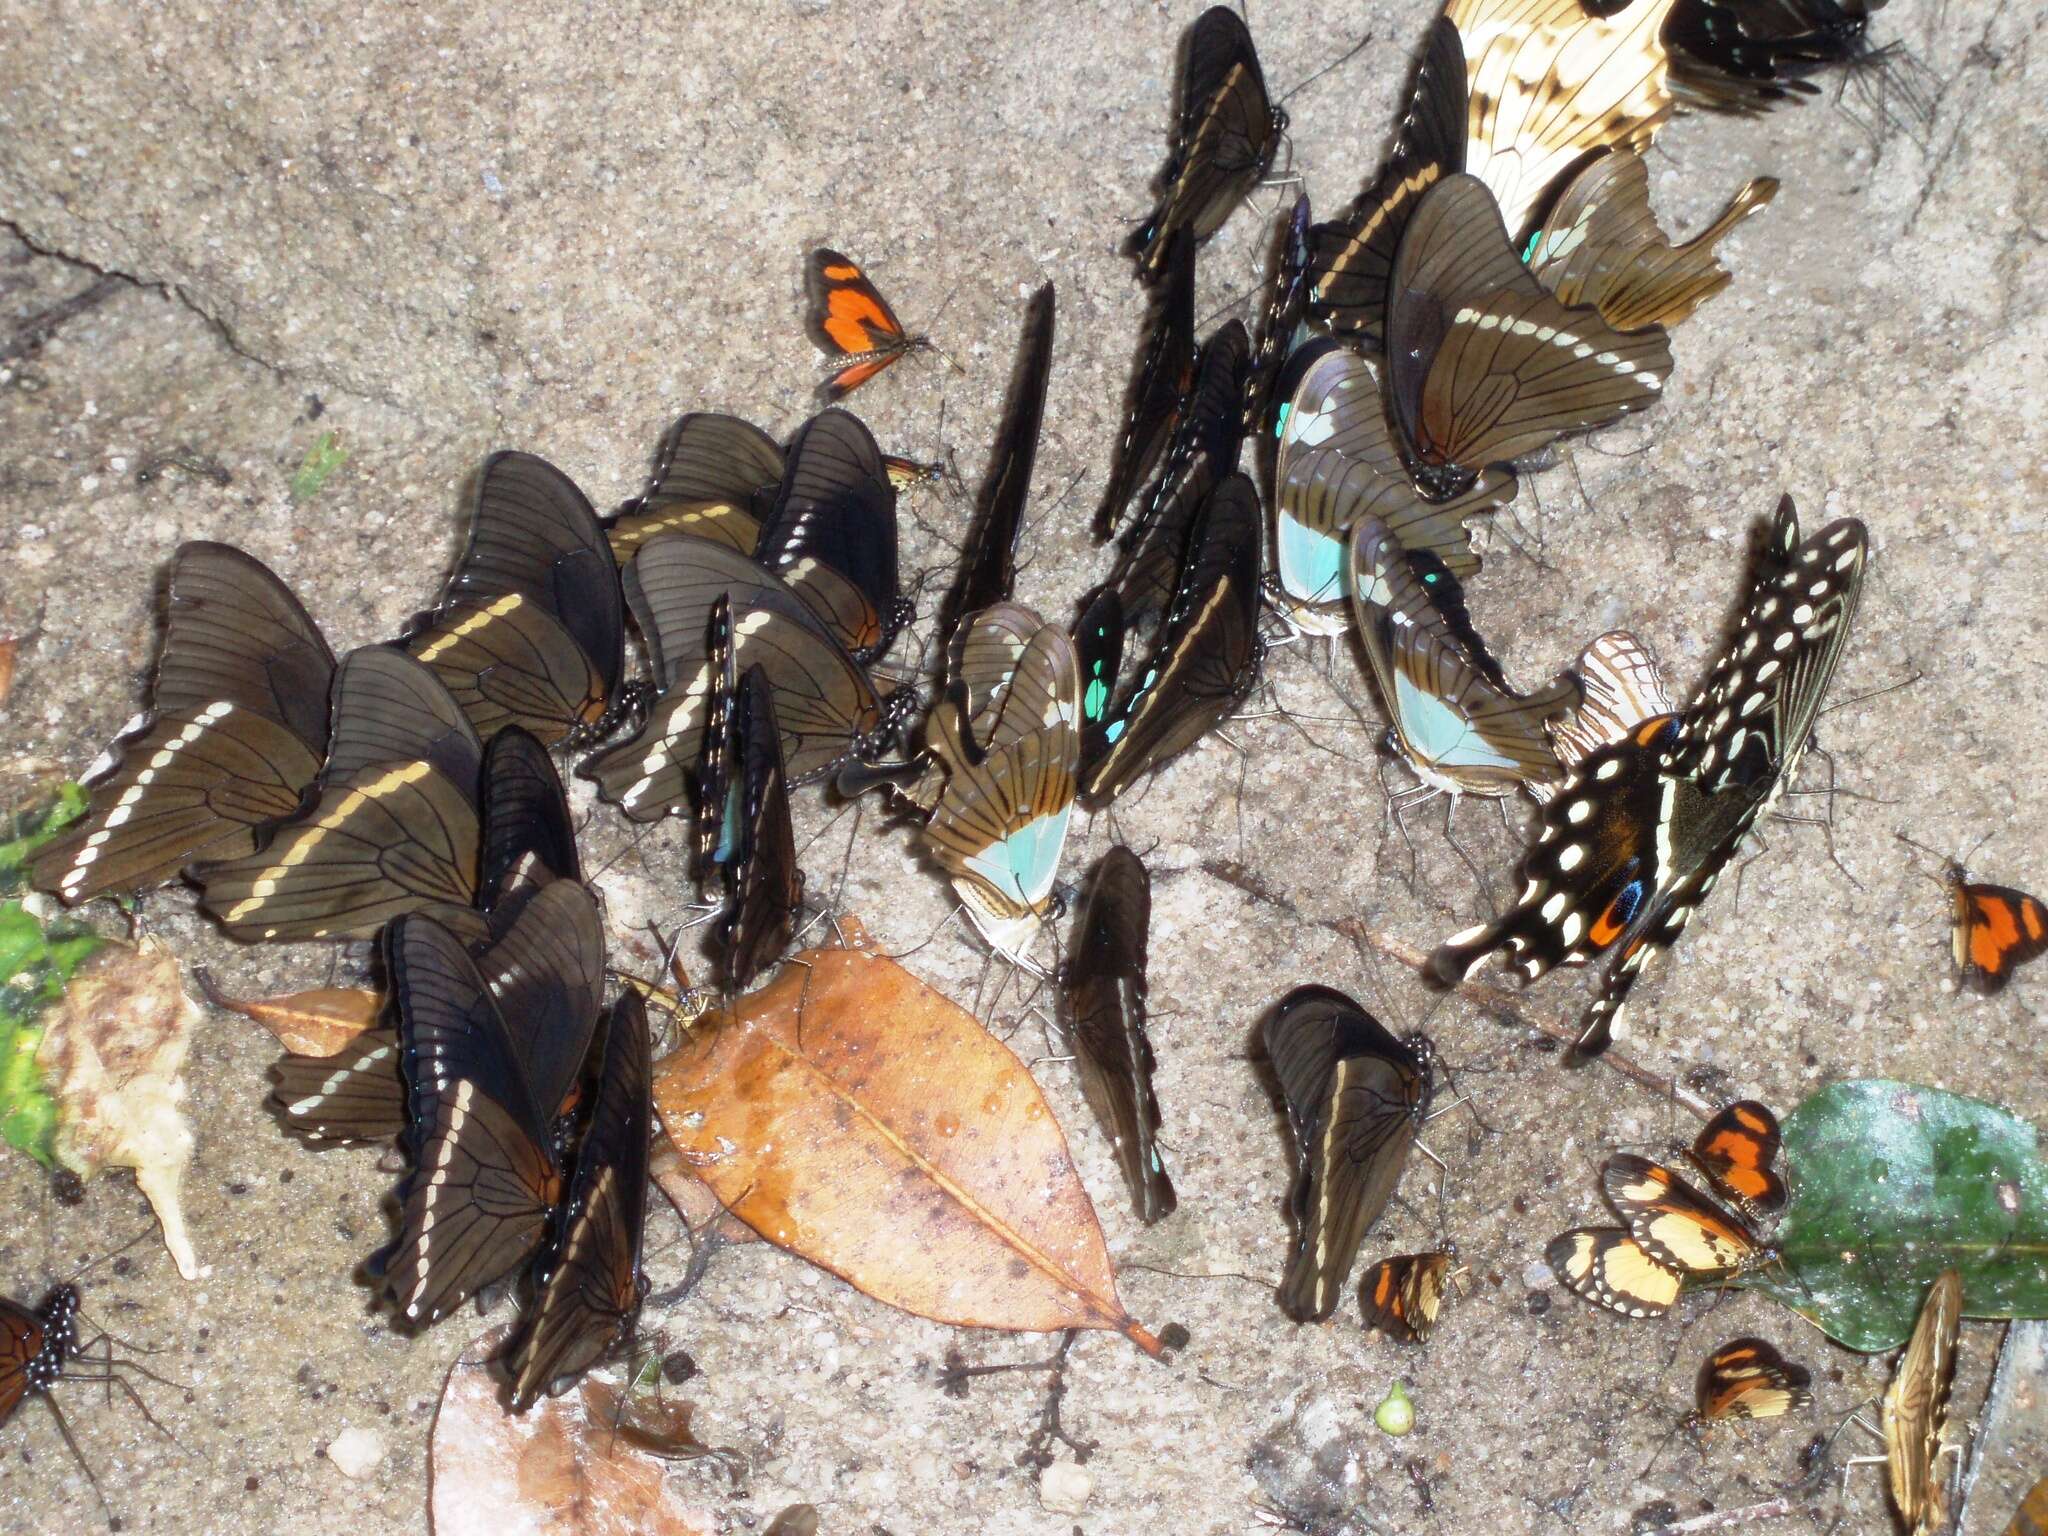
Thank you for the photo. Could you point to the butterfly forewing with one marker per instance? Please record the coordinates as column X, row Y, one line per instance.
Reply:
column 1104, row 987
column 837, row 507
column 1166, row 373
column 239, row 723
column 1736, row 1149
column 1677, row 1225
column 1401, row 1295
column 1914, row 1412
column 852, row 322
column 1748, row 1379
column 762, row 875
column 529, row 838
column 1355, row 1097
column 588, row 1285
column 1996, row 930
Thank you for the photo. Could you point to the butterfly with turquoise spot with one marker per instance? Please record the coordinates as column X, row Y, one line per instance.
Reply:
column 1638, row 834
column 1000, row 823
column 1456, row 721
column 1335, row 462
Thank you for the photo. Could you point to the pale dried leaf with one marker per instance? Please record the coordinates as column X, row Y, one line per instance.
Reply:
column 856, row 1117
column 113, row 1053
column 316, row 1023
column 550, row 1471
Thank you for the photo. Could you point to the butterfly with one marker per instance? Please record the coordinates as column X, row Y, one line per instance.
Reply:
column 743, row 827
column 1402, row 1294
column 825, row 703
column 547, row 977
column 40, row 1346
column 1484, row 364
column 1678, row 1226
column 1225, row 139
column 1549, row 83
column 1281, row 329
column 1611, row 1269
column 1747, row 56
column 1914, row 1414
column 529, row 838
column 1207, row 443
column 1165, row 376
column 484, row 1182
column 392, row 827
column 1748, row 1379
column 1994, row 930
column 234, row 737
column 1455, row 720
column 2031, row 1518
column 588, row 1285
column 1735, row 1149
column 1001, row 821
column 1103, row 986
column 831, row 533
column 1356, row 1097
column 1621, row 687
column 988, row 565
column 1099, row 647
column 530, row 629
column 1600, row 245
column 1207, row 654
column 1351, row 259
column 853, row 324
column 1335, row 464
column 1638, row 834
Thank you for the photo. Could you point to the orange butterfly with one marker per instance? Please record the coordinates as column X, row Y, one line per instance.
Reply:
column 1402, row 1294
column 1735, row 1150
column 852, row 321
column 1680, row 1227
column 1996, row 928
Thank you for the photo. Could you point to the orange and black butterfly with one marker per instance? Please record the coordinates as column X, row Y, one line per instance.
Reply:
column 1677, row 1225
column 1997, row 929
column 1402, row 1294
column 1735, row 1150
column 1749, row 1379
column 851, row 321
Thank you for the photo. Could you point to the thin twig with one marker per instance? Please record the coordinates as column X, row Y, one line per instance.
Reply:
column 1510, row 1003
column 1715, row 1520
column 39, row 328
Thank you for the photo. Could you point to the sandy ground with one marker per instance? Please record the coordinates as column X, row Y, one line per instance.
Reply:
column 436, row 231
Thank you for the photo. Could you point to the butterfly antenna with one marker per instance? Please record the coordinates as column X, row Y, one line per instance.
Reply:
column 1874, row 693
column 1342, row 59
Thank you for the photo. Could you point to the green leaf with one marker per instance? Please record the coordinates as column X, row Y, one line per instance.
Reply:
column 26, row 828
column 321, row 461
column 35, row 964
column 1893, row 1183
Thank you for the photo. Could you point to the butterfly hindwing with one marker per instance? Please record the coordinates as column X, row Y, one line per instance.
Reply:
column 1611, row 1269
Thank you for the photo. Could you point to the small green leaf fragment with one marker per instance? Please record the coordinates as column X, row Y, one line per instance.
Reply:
column 26, row 828
column 35, row 964
column 320, row 463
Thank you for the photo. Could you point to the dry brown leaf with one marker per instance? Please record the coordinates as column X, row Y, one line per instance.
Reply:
column 112, row 1055
column 10, row 648
column 551, row 1471
column 316, row 1023
column 853, row 1115
column 695, row 1201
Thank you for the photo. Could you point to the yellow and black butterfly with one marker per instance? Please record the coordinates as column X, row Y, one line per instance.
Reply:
column 1227, row 132
column 1748, row 1379
column 1611, row 1269
column 1915, row 1411
column 1735, row 1150
column 853, row 323
column 1355, row 1096
column 234, row 737
column 1677, row 1225
column 1102, row 986
column 1401, row 1295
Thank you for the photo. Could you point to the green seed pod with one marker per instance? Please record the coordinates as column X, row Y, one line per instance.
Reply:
column 1395, row 1414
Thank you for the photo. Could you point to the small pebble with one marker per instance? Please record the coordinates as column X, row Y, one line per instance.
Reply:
column 355, row 1452
column 1063, row 1488
column 1537, row 1275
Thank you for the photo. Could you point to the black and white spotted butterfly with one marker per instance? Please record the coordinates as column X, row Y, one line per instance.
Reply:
column 1641, row 830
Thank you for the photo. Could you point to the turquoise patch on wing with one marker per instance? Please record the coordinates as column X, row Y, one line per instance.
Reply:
column 1311, row 562
column 1022, row 865
column 1437, row 733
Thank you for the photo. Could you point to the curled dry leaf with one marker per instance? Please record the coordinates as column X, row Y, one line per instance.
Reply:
column 10, row 648
column 851, row 1114
column 316, row 1023
column 112, row 1054
column 556, row 1470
